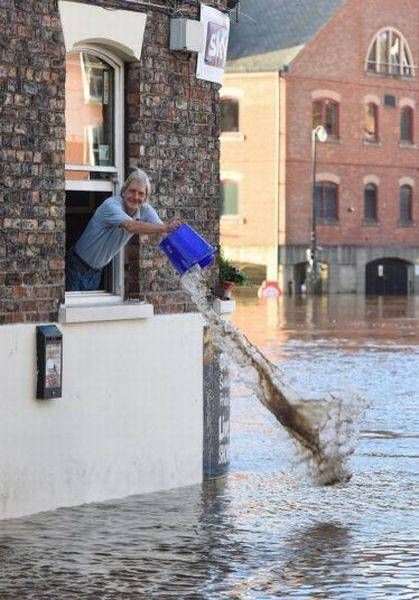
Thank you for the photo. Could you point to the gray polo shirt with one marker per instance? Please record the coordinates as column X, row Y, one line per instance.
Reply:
column 103, row 236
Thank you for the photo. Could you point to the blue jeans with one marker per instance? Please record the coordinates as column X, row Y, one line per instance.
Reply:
column 79, row 276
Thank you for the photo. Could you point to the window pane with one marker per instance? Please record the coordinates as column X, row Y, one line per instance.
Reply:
column 229, row 198
column 395, row 51
column 405, row 203
column 372, row 58
column 382, row 51
column 229, row 115
column 406, row 124
column 370, row 127
column 406, row 63
column 330, row 201
column 317, row 114
column 331, row 118
column 370, row 202
column 89, row 110
column 318, row 195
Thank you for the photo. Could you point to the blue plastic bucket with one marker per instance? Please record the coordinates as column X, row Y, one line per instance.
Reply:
column 185, row 248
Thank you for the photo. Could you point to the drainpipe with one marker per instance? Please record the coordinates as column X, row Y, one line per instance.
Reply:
column 280, row 208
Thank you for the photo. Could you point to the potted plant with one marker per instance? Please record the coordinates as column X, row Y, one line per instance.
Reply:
column 229, row 276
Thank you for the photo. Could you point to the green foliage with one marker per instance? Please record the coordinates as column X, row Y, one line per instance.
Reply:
column 228, row 271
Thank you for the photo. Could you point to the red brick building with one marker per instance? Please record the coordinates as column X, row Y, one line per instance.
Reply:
column 349, row 65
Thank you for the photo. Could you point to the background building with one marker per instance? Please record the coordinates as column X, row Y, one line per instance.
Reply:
column 349, row 65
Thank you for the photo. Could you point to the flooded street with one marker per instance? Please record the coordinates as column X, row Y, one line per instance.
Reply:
column 265, row 531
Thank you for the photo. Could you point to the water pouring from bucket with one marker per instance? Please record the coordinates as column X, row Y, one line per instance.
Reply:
column 326, row 431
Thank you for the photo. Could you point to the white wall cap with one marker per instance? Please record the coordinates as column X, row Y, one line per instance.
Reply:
column 120, row 30
column 113, row 312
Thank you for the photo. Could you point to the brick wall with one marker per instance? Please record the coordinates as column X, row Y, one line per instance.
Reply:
column 334, row 60
column 171, row 131
column 32, row 138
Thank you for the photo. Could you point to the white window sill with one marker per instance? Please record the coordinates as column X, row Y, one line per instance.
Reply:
column 89, row 298
column 92, row 312
column 233, row 219
column 232, row 136
column 407, row 145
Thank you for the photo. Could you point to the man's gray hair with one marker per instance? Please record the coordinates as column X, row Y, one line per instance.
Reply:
column 141, row 177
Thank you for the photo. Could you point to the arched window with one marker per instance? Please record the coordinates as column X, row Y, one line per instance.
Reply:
column 326, row 113
column 371, row 122
column 229, row 197
column 326, row 201
column 389, row 54
column 94, row 142
column 229, row 115
column 406, row 124
column 370, row 202
column 406, row 204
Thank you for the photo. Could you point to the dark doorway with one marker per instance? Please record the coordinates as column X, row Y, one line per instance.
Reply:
column 300, row 275
column 386, row 276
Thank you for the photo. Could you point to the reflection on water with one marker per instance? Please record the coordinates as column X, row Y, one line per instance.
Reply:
column 355, row 319
column 265, row 531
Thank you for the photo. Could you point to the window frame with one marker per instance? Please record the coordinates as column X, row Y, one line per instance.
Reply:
column 410, row 219
column 376, row 138
column 116, row 175
column 323, row 218
column 369, row 219
column 325, row 102
column 236, row 101
column 406, row 109
column 374, row 64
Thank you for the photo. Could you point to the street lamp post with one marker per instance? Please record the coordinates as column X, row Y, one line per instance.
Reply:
column 317, row 134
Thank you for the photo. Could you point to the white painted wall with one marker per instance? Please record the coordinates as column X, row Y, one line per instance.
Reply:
column 130, row 420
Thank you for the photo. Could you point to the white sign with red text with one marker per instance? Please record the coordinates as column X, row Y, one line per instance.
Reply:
column 211, row 61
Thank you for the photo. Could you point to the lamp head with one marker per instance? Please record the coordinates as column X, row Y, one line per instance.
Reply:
column 321, row 133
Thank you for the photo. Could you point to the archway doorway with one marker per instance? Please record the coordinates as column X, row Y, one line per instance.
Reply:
column 387, row 276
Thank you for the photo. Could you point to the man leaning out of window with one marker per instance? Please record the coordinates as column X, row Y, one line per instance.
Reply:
column 114, row 222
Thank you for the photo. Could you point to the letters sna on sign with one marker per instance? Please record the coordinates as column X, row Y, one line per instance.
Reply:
column 216, row 45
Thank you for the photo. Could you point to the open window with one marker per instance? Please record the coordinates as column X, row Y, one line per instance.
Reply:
column 326, row 113
column 371, row 122
column 94, row 147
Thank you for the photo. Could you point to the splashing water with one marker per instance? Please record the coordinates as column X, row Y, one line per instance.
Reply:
column 325, row 430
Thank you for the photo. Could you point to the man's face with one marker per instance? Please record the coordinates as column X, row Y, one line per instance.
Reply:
column 134, row 195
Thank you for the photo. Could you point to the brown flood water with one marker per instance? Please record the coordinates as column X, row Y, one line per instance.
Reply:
column 265, row 531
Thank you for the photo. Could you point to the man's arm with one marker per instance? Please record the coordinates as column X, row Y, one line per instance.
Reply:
column 149, row 228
